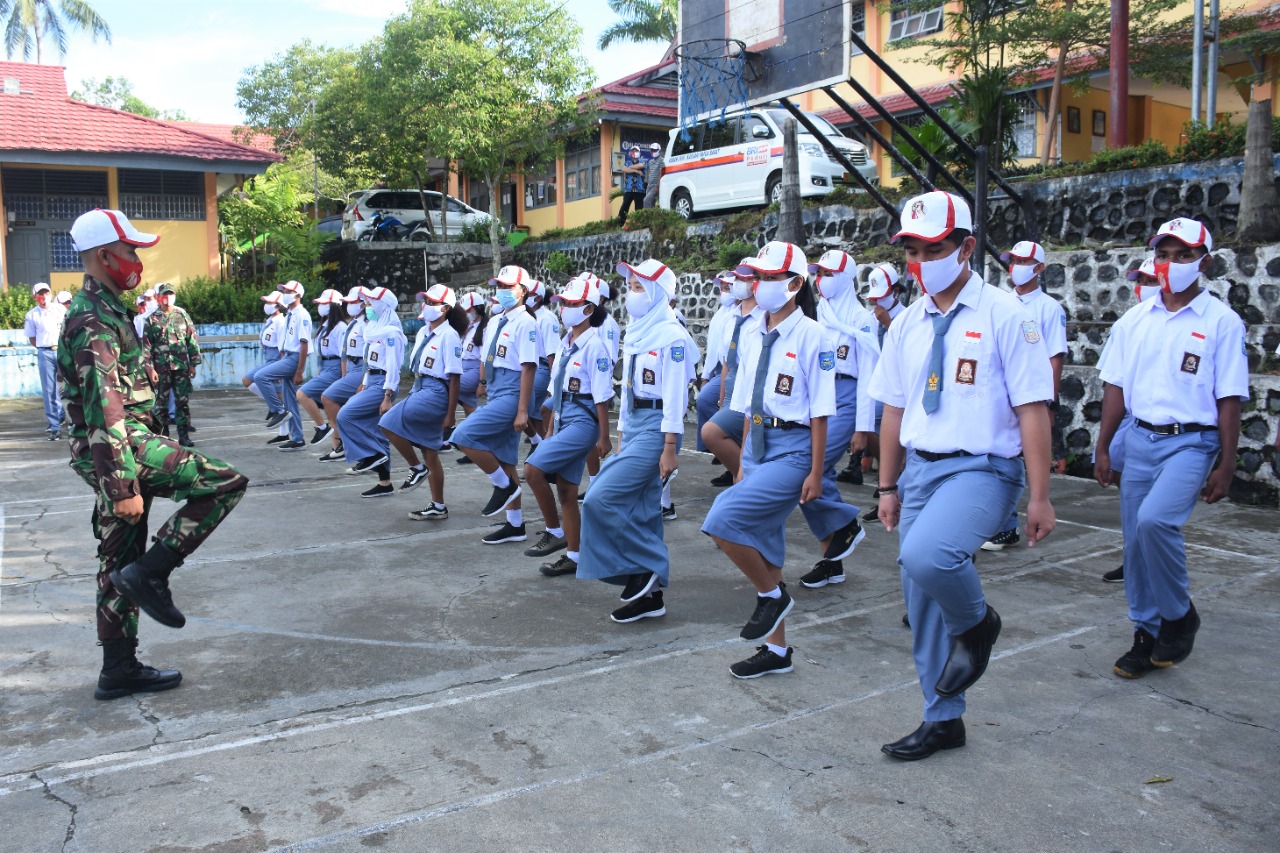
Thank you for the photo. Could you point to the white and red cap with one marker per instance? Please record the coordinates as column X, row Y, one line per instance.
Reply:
column 470, row 300
column 776, row 257
column 726, row 277
column 328, row 296
column 271, row 298
column 833, row 261
column 579, row 291
column 354, row 294
column 881, row 281
column 1189, row 232
column 439, row 294
column 656, row 148
column 650, row 270
column 375, row 294
column 933, row 216
column 1026, row 250
column 537, row 288
column 1148, row 267
column 150, row 293
column 510, row 276
column 63, row 297
column 41, row 287
column 102, row 227
column 291, row 286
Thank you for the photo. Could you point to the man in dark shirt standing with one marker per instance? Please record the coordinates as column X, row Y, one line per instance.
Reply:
column 632, row 183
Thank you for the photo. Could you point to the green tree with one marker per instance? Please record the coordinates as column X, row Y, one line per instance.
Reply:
column 279, row 96
column 30, row 22
column 642, row 20
column 117, row 93
column 1257, row 37
column 263, row 228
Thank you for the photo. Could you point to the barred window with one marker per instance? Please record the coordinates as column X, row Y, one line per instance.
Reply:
column 909, row 19
column 540, row 189
column 64, row 255
column 52, row 193
column 156, row 194
column 859, row 24
column 582, row 169
column 1024, row 131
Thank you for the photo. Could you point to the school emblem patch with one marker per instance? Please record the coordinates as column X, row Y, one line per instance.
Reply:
column 575, row 385
column 649, row 377
column 966, row 371
column 602, row 365
column 502, row 350
column 533, row 336
column 457, row 352
column 1031, row 331
column 1190, row 363
column 842, row 352
column 429, row 363
column 827, row 360
column 677, row 354
column 784, row 383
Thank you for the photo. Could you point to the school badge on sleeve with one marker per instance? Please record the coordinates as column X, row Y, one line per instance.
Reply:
column 1031, row 331
column 602, row 365
column 827, row 360
column 677, row 354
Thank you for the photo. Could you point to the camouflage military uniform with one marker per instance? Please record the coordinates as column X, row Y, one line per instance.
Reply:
column 109, row 398
column 171, row 344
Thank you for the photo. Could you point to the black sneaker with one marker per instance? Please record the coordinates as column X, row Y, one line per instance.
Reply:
column 464, row 459
column 336, row 454
column 824, row 572
column 768, row 614
column 415, row 478
column 368, row 463
column 292, row 445
column 279, row 439
column 431, row 513
column 669, row 513
column 763, row 662
column 844, row 541
column 1002, row 540
column 723, row 480
column 1175, row 639
column 872, row 514
column 1136, row 662
column 546, row 545
column 638, row 584
column 1116, row 575
column 508, row 532
column 850, row 475
column 562, row 566
column 54, row 435
column 379, row 490
column 277, row 419
column 642, row 608
column 320, row 432
column 501, row 499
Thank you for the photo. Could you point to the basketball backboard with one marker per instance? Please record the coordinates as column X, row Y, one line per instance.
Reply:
column 791, row 46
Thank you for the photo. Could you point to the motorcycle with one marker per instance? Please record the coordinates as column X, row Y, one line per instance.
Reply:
column 386, row 228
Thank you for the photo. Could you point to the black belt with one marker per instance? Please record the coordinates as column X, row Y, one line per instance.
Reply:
column 646, row 404
column 590, row 401
column 1174, row 429
column 929, row 456
column 846, row 376
column 439, row 379
column 777, row 423
column 356, row 360
column 325, row 358
column 377, row 373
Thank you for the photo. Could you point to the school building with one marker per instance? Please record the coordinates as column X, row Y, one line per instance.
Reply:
column 60, row 157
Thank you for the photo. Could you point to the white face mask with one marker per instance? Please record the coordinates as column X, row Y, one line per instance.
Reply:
column 288, row 299
column 1176, row 278
column 149, row 308
column 639, row 303
column 323, row 308
column 726, row 299
column 937, row 275
column 267, row 309
column 431, row 313
column 472, row 318
column 531, row 302
column 833, row 286
column 741, row 290
column 572, row 315
column 886, row 302
column 354, row 309
column 1022, row 273
column 772, row 295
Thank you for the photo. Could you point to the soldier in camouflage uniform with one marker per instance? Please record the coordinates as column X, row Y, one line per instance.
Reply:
column 108, row 395
column 171, row 343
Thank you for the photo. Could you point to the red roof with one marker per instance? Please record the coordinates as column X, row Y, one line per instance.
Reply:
column 634, row 95
column 41, row 117
column 235, row 133
column 895, row 104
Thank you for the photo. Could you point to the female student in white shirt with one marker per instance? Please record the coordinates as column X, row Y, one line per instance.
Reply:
column 329, row 336
column 345, row 387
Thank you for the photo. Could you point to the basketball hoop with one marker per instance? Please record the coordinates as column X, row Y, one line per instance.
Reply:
column 714, row 74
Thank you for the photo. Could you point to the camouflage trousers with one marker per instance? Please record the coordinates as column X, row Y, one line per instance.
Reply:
column 178, row 380
column 208, row 490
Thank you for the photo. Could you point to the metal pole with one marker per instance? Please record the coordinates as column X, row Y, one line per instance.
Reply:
column 1197, row 46
column 1211, row 69
column 980, row 205
column 790, row 217
column 1118, row 135
column 870, row 130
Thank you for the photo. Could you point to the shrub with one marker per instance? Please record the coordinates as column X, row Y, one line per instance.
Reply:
column 729, row 253
column 1150, row 153
column 559, row 263
column 14, row 305
column 237, row 301
column 478, row 232
column 1201, row 142
column 663, row 224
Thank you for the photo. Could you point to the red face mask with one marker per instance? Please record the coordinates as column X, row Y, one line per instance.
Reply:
column 127, row 273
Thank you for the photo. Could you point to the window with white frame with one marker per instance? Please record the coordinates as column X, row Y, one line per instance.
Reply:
column 859, row 24
column 582, row 169
column 1024, row 131
column 910, row 19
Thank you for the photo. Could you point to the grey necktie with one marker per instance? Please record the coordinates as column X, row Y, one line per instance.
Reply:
column 489, row 370
column 757, row 396
column 933, row 382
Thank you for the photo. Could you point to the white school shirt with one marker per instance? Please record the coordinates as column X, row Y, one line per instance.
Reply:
column 726, row 340
column 140, row 325
column 516, row 345
column 549, row 329
column 1050, row 316
column 471, row 347
column 994, row 361
column 715, row 333
column 297, row 329
column 610, row 333
column 587, row 371
column 384, row 353
column 660, row 375
column 856, row 356
column 801, row 380
column 331, row 341
column 1174, row 367
column 353, row 340
column 44, row 324
column 437, row 354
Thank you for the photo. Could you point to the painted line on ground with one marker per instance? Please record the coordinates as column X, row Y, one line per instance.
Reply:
column 1210, row 548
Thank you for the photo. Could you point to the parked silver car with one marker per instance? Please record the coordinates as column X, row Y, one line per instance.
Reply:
column 406, row 205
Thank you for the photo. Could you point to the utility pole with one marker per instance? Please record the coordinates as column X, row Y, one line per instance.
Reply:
column 1197, row 50
column 1211, row 71
column 1118, row 137
column 790, row 218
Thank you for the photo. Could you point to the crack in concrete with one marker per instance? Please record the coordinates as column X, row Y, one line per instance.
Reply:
column 1211, row 712
column 151, row 718
column 70, row 834
column 1075, row 713
column 765, row 755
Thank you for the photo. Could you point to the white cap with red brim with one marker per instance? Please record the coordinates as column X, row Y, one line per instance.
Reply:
column 353, row 295
column 650, row 270
column 1026, row 250
column 776, row 257
column 833, row 261
column 291, row 286
column 273, row 297
column 881, row 281
column 1148, row 267
column 102, row 227
column 328, row 296
column 439, row 294
column 933, row 216
column 579, row 291
column 510, row 276
column 1189, row 232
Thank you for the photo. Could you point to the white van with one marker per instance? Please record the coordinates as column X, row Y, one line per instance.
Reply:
column 738, row 162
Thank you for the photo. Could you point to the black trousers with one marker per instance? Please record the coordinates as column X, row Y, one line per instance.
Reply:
column 629, row 199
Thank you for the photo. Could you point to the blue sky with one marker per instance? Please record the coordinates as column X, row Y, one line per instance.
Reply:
column 187, row 55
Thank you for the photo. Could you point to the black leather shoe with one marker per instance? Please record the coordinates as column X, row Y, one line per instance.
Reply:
column 145, row 582
column 969, row 655
column 928, row 739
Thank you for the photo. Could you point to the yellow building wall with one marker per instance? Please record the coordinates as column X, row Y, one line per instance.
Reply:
column 1166, row 123
column 540, row 219
column 1078, row 147
column 181, row 254
column 582, row 211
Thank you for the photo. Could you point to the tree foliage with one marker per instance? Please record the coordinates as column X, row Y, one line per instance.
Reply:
column 29, row 23
column 279, row 96
column 264, row 231
column 117, row 93
column 642, row 21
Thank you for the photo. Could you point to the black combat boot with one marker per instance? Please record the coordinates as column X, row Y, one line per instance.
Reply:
column 122, row 674
column 146, row 583
column 184, row 438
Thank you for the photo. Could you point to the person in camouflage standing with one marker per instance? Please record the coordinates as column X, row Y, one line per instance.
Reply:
column 171, row 343
column 114, row 449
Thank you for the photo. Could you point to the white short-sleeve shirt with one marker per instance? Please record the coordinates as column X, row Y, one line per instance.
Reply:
column 384, row 353
column 1174, row 366
column 800, row 383
column 353, row 340
column 296, row 330
column 331, row 341
column 1050, row 316
column 273, row 332
column 516, row 344
column 588, row 370
column 611, row 334
column 549, row 331
column 660, row 375
column 994, row 361
column 471, row 344
column 45, row 324
column 438, row 353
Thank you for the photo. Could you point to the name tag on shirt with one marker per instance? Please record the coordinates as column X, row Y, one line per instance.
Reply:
column 966, row 371
column 575, row 385
column 783, row 385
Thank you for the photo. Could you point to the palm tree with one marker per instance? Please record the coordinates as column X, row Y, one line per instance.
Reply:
column 31, row 21
column 642, row 20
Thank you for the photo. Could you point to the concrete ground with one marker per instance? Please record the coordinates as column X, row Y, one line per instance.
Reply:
column 355, row 679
